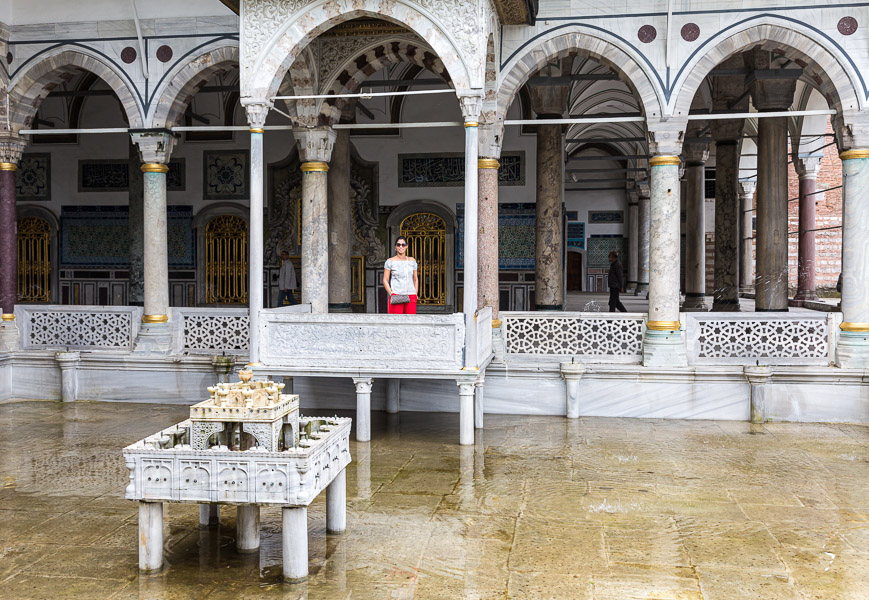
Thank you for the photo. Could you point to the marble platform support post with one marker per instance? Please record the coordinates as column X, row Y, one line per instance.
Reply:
column 758, row 378
column 633, row 241
column 68, row 362
column 695, row 156
column 725, row 295
column 136, row 203
column 363, row 408
column 336, row 504
column 155, row 149
column 487, row 237
column 315, row 151
column 339, row 217
column 466, row 412
column 853, row 347
column 571, row 373
column 644, row 209
column 393, row 395
column 150, row 536
column 471, row 103
column 746, row 256
column 11, row 149
column 247, row 528
column 257, row 112
column 295, row 543
column 807, row 170
column 663, row 343
column 479, row 404
column 209, row 515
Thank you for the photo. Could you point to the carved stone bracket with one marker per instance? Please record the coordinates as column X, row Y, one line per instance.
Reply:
column 665, row 137
column 852, row 130
column 154, row 147
column 315, row 143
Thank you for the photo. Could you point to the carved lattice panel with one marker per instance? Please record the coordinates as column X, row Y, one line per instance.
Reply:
column 216, row 333
column 755, row 338
column 562, row 335
column 80, row 329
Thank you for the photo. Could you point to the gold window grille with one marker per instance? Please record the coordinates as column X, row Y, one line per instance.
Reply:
column 226, row 256
column 426, row 235
column 34, row 260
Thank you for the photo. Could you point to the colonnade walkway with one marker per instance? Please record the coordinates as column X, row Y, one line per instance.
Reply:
column 537, row 507
column 599, row 302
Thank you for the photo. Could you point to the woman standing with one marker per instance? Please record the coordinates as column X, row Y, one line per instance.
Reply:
column 400, row 280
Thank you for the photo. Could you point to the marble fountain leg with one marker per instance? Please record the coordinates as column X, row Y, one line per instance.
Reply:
column 150, row 536
column 248, row 528
column 363, row 408
column 295, row 543
column 209, row 515
column 336, row 504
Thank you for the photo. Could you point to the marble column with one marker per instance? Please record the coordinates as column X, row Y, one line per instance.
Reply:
column 248, row 528
column 315, row 150
column 339, row 222
column 633, row 241
column 363, row 408
column 294, row 537
column 746, row 257
column 466, row 412
column 663, row 344
column 807, row 170
column 644, row 207
column 336, row 503
column 136, row 202
column 11, row 148
column 155, row 149
column 727, row 205
column 150, row 536
column 256, row 118
column 853, row 347
column 695, row 228
column 549, row 245
column 487, row 236
column 471, row 105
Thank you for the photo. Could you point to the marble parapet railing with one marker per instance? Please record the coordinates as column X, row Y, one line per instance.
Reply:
column 765, row 338
column 348, row 342
column 614, row 337
column 210, row 331
column 78, row 327
column 484, row 335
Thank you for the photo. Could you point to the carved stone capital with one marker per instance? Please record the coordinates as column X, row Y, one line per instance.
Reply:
column 746, row 188
column 154, row 146
column 257, row 111
column 695, row 153
column 11, row 148
column 644, row 189
column 472, row 104
column 466, row 388
column 851, row 129
column 363, row 385
column 808, row 167
column 665, row 137
column 726, row 130
column 315, row 143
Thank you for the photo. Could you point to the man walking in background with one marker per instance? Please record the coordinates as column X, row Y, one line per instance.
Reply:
column 287, row 280
column 616, row 283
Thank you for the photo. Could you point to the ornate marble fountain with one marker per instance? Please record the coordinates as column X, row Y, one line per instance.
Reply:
column 246, row 445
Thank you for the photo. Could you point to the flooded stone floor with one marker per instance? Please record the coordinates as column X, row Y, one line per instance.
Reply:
column 541, row 507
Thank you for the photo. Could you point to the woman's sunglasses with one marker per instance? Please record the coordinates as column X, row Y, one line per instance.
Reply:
column 401, row 245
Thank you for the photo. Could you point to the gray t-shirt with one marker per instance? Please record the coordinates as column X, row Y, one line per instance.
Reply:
column 401, row 275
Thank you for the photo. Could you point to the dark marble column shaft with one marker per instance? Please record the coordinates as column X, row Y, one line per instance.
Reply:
column 806, row 266
column 549, row 270
column 339, row 224
column 136, row 199
column 695, row 231
column 8, row 240
column 771, row 280
column 726, row 292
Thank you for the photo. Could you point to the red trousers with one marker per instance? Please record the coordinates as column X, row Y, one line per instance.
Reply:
column 404, row 309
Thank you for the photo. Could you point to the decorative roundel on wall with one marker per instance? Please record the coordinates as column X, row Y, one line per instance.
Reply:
column 647, row 34
column 128, row 54
column 164, row 54
column 847, row 25
column 690, row 32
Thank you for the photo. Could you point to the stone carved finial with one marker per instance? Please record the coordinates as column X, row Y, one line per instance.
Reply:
column 11, row 148
column 315, row 143
column 257, row 111
column 472, row 104
column 154, row 147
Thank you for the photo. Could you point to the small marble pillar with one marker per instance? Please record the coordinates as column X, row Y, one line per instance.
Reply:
column 663, row 343
column 339, row 222
column 853, row 348
column 363, row 408
column 644, row 209
column 487, row 236
column 150, row 536
column 758, row 377
column 746, row 257
column 68, row 363
column 155, row 149
column 727, row 204
column 393, row 395
column 295, row 543
column 336, row 504
column 572, row 373
column 633, row 241
column 471, row 103
column 695, row 228
column 807, row 170
column 247, row 528
column 256, row 118
column 466, row 412
column 315, row 150
column 479, row 404
column 209, row 515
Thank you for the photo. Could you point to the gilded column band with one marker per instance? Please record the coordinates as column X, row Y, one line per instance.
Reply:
column 258, row 130
column 155, row 318
column 662, row 161
column 852, row 154
column 155, row 168
column 7, row 166
column 471, row 124
column 7, row 317
column 488, row 163
column 315, row 167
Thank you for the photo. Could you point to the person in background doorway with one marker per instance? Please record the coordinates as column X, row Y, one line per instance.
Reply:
column 287, row 280
column 616, row 283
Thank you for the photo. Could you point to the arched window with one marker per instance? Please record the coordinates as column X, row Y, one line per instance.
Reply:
column 426, row 242
column 34, row 260
column 226, row 252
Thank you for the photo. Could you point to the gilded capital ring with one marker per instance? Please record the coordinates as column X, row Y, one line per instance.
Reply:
column 661, row 161
column 471, row 124
column 7, row 317
column 854, row 327
column 851, row 154
column 155, row 318
column 313, row 167
column 155, row 168
column 5, row 166
column 488, row 163
column 256, row 130
column 664, row 325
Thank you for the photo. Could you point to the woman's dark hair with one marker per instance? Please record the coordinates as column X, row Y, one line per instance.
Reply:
column 401, row 237
column 614, row 255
